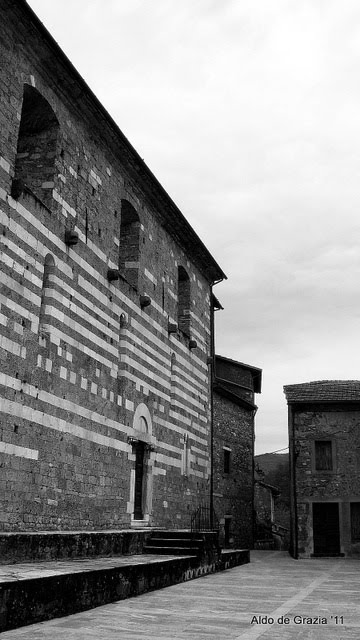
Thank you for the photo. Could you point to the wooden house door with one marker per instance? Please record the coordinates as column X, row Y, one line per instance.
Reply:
column 326, row 530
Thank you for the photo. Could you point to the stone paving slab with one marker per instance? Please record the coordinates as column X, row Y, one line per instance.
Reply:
column 223, row 605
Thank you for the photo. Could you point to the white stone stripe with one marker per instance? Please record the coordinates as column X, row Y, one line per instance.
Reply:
column 92, row 246
column 21, row 290
column 180, row 430
column 180, row 418
column 144, row 371
column 91, row 271
column 167, row 460
column 26, row 237
column 57, row 424
column 200, row 322
column 20, row 269
column 4, row 164
column 201, row 452
column 53, row 312
column 128, row 336
column 56, row 335
column 140, row 353
column 150, row 276
column 25, row 313
column 20, row 452
column 29, row 260
column 172, row 295
column 200, row 340
column 190, row 387
column 81, row 313
column 68, row 209
column 200, row 474
column 85, row 301
column 101, row 297
column 135, row 379
column 144, row 347
column 63, row 403
column 175, row 346
column 12, row 347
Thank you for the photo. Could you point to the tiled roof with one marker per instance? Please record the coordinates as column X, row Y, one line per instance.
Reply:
column 323, row 391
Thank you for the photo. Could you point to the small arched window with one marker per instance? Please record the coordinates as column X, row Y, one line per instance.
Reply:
column 184, row 303
column 172, row 377
column 129, row 244
column 49, row 269
column 37, row 145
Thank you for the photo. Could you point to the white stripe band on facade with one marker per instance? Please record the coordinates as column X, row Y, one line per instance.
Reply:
column 20, row 452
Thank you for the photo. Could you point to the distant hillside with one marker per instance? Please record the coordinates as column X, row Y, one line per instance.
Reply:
column 273, row 468
column 270, row 462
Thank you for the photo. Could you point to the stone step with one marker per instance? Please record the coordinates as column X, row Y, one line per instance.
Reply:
column 173, row 533
column 177, row 542
column 172, row 550
column 35, row 592
column 63, row 545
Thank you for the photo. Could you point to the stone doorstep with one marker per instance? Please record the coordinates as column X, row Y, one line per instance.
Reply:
column 35, row 592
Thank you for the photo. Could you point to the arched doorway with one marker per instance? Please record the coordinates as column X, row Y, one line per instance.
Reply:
column 140, row 504
column 139, row 482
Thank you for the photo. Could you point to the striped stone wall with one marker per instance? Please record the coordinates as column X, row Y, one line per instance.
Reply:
column 87, row 370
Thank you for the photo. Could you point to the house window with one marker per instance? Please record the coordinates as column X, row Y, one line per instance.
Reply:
column 227, row 456
column 129, row 244
column 355, row 521
column 323, row 455
column 183, row 301
column 37, row 145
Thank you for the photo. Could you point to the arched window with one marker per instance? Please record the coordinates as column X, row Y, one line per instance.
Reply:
column 49, row 269
column 129, row 244
column 172, row 377
column 37, row 145
column 184, row 303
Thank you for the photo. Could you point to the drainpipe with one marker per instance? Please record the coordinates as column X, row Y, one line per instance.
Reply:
column 211, row 362
column 212, row 380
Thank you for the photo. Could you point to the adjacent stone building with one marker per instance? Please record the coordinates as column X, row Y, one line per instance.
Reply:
column 324, row 444
column 235, row 387
column 105, row 311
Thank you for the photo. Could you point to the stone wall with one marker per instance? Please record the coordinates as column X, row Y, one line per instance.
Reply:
column 88, row 367
column 233, row 491
column 340, row 425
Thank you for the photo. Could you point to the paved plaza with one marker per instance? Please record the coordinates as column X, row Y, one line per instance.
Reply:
column 272, row 597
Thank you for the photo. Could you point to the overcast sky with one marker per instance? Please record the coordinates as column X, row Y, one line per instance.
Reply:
column 248, row 113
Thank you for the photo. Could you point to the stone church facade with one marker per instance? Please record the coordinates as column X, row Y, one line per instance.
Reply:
column 105, row 311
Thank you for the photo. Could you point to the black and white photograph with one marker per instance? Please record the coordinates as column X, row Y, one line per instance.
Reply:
column 180, row 320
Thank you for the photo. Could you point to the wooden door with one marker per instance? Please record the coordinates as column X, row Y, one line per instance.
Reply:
column 326, row 530
column 139, row 481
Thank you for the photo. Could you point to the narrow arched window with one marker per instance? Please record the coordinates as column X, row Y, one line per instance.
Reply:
column 184, row 304
column 37, row 145
column 49, row 270
column 129, row 244
column 172, row 377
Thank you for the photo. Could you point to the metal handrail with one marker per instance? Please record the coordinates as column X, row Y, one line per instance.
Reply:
column 204, row 519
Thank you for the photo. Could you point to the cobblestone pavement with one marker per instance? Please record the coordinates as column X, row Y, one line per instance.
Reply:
column 272, row 597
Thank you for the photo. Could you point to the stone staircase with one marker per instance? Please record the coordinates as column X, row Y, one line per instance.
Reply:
column 50, row 574
column 175, row 543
